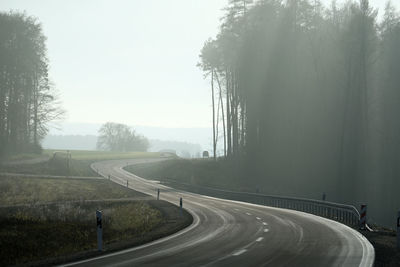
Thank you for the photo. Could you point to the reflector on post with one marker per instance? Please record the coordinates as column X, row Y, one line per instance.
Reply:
column 363, row 217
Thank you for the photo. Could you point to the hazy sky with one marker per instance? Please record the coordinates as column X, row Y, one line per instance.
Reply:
column 129, row 61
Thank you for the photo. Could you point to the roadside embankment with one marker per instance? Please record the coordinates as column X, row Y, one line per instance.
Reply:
column 44, row 221
column 385, row 244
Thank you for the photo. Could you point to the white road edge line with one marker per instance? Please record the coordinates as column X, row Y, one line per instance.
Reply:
column 196, row 222
column 368, row 250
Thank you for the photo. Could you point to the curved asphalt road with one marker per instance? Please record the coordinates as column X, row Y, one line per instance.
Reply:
column 230, row 233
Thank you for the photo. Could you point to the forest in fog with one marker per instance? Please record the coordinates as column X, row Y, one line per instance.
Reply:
column 28, row 101
column 306, row 99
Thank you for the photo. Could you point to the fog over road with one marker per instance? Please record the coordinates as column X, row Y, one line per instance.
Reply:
column 230, row 233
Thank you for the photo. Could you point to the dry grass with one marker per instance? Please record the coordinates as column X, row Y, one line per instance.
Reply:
column 54, row 218
column 21, row 190
column 33, row 233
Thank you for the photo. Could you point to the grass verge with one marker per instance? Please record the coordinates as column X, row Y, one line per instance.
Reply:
column 45, row 221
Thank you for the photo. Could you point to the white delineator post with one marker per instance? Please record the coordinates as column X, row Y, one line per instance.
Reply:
column 363, row 217
column 99, row 230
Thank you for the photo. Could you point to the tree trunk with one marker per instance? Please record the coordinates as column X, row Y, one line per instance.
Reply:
column 228, row 115
column 213, row 114
column 222, row 110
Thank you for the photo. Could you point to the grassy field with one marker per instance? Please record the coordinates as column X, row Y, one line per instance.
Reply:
column 14, row 191
column 102, row 155
column 54, row 218
column 61, row 164
column 24, row 156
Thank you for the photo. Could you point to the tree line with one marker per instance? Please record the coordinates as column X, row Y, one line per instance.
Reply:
column 28, row 101
column 120, row 137
column 308, row 96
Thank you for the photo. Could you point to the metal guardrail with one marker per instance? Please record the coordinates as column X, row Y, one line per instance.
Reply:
column 342, row 213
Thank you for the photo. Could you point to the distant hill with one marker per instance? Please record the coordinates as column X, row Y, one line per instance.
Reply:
column 70, row 142
column 201, row 136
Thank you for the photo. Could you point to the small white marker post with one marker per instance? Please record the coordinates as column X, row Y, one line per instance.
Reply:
column 398, row 230
column 99, row 230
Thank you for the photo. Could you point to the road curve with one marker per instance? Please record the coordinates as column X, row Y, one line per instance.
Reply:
column 231, row 233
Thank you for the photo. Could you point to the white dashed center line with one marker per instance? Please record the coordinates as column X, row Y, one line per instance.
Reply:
column 265, row 223
column 248, row 213
column 258, row 218
column 266, row 230
column 259, row 239
column 240, row 252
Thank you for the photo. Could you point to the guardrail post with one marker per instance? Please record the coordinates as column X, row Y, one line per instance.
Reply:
column 323, row 196
column 127, row 183
column 158, row 194
column 99, row 230
column 363, row 217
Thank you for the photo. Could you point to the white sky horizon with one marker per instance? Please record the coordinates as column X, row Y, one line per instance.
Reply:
column 132, row 62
